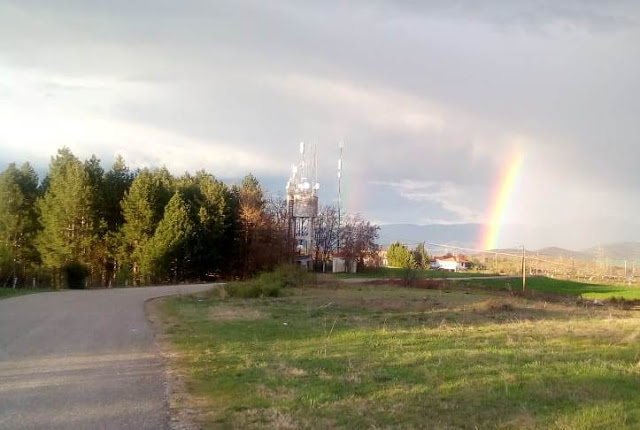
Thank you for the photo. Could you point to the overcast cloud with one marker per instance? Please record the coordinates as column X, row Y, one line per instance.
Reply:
column 431, row 99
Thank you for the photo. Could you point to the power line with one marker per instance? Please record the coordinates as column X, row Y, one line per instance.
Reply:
column 485, row 251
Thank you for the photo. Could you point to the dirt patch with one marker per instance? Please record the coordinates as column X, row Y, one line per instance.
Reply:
column 388, row 304
column 235, row 313
column 497, row 305
column 289, row 371
column 261, row 418
column 391, row 303
column 522, row 420
column 428, row 284
column 280, row 393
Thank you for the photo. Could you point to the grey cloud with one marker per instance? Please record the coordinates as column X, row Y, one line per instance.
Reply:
column 561, row 74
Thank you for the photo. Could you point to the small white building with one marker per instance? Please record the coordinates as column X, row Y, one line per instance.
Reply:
column 450, row 263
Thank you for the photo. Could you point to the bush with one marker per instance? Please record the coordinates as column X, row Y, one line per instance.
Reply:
column 270, row 284
column 75, row 274
column 252, row 290
column 287, row 275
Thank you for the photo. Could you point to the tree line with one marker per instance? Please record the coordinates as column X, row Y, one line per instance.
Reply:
column 399, row 255
column 84, row 226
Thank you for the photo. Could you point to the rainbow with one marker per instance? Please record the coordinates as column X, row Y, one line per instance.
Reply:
column 500, row 201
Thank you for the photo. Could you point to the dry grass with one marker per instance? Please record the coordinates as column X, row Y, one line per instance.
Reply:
column 235, row 313
column 389, row 357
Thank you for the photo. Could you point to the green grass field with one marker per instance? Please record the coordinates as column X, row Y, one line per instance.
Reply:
column 387, row 357
column 5, row 293
column 565, row 288
column 393, row 272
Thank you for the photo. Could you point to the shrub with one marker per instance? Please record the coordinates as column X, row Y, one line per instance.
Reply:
column 252, row 290
column 270, row 284
column 287, row 275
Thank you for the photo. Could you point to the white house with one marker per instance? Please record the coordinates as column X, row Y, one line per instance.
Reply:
column 450, row 263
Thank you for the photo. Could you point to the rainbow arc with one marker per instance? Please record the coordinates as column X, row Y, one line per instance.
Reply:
column 500, row 201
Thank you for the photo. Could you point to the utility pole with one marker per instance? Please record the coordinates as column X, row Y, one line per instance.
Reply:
column 340, row 145
column 524, row 272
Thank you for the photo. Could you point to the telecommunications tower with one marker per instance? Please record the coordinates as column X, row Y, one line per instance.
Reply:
column 302, row 205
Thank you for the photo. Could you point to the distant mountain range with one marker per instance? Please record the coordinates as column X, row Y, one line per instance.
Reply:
column 451, row 234
column 617, row 251
column 467, row 235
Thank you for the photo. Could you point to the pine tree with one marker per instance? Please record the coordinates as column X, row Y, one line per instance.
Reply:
column 116, row 183
column 99, row 256
column 421, row 257
column 398, row 255
column 143, row 208
column 208, row 199
column 168, row 251
column 95, row 175
column 66, row 214
column 18, row 221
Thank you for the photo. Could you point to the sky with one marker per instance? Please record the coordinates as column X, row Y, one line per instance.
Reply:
column 431, row 99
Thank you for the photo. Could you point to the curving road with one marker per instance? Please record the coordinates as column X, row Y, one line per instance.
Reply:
column 82, row 360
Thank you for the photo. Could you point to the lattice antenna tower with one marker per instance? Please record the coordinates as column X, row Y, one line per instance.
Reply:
column 302, row 204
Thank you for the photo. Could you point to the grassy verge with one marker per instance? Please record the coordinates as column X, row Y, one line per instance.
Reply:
column 385, row 357
column 5, row 293
column 565, row 288
column 393, row 272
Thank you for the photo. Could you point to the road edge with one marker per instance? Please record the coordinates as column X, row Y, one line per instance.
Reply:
column 176, row 396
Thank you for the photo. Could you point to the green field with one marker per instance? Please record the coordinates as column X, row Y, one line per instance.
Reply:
column 563, row 287
column 5, row 293
column 393, row 272
column 388, row 357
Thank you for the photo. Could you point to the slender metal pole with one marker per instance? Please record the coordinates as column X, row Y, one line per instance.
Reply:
column 524, row 272
column 340, row 145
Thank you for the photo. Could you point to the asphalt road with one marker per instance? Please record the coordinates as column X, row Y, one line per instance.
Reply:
column 82, row 360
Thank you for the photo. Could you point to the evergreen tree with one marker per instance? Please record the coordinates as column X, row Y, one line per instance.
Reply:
column 66, row 214
column 421, row 257
column 84, row 221
column 143, row 208
column 116, row 183
column 168, row 252
column 208, row 199
column 99, row 256
column 398, row 255
column 18, row 221
column 95, row 176
column 95, row 172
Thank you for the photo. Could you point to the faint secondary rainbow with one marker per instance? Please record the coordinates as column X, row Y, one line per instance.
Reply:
column 500, row 201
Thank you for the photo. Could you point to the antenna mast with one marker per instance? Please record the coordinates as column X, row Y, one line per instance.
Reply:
column 340, row 145
column 302, row 206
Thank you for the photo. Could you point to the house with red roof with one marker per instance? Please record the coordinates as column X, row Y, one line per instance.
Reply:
column 450, row 263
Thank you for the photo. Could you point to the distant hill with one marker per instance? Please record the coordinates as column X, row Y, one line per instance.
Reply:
column 465, row 235
column 616, row 251
column 554, row 251
column 613, row 251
